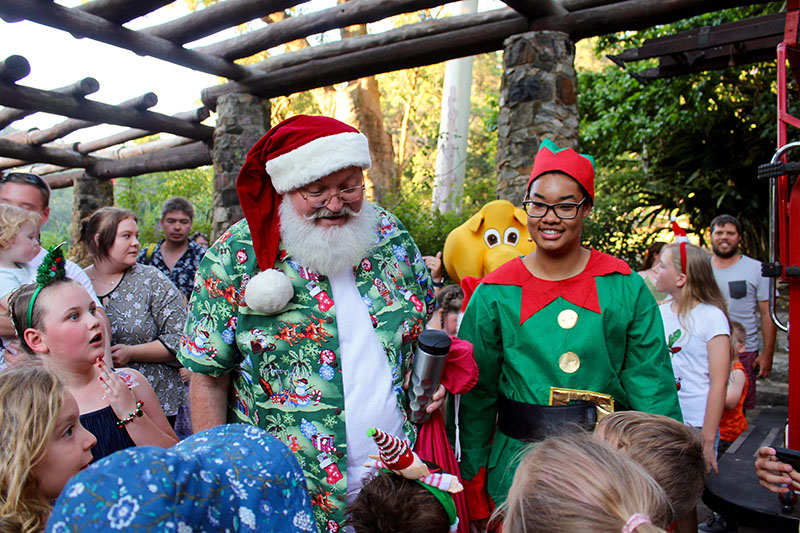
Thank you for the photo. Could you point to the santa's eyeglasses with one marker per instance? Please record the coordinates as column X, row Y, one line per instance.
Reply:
column 319, row 199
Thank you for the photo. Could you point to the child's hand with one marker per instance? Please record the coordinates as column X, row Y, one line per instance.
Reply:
column 710, row 457
column 119, row 396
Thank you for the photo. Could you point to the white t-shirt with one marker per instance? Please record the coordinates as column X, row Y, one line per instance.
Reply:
column 10, row 280
column 687, row 342
column 73, row 272
column 369, row 399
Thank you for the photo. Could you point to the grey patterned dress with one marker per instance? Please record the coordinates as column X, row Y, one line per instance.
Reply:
column 146, row 306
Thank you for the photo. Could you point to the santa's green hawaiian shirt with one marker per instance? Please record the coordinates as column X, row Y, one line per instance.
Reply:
column 285, row 368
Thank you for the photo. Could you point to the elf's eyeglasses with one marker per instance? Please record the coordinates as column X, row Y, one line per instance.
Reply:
column 563, row 210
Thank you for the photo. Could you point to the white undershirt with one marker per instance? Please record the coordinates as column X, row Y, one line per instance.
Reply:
column 369, row 400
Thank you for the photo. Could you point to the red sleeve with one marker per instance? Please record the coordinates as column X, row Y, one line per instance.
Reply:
column 460, row 370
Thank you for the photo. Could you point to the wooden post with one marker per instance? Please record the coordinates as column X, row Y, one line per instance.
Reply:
column 242, row 120
column 537, row 100
column 88, row 195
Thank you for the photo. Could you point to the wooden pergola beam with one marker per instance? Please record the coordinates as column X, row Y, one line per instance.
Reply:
column 121, row 11
column 216, row 17
column 533, row 9
column 60, row 104
column 629, row 15
column 66, row 127
column 14, row 68
column 346, row 14
column 194, row 155
column 78, row 89
column 55, row 156
column 82, row 24
column 415, row 45
column 195, row 116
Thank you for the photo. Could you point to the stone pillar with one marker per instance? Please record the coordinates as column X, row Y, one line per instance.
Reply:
column 537, row 100
column 242, row 119
column 88, row 195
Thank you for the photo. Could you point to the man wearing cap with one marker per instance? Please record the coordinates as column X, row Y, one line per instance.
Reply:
column 304, row 315
column 561, row 336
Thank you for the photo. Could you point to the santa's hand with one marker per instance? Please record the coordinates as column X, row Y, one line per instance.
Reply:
column 437, row 400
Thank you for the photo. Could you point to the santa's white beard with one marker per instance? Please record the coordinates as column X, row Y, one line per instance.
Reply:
column 331, row 249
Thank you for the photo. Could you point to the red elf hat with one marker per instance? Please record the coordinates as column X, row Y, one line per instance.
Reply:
column 551, row 158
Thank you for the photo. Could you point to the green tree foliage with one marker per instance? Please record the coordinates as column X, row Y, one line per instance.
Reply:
column 144, row 195
column 688, row 145
column 420, row 90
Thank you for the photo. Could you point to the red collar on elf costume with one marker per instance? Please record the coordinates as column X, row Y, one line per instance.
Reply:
column 551, row 158
column 580, row 290
column 298, row 151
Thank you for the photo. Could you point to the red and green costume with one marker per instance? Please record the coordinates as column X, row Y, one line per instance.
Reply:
column 609, row 322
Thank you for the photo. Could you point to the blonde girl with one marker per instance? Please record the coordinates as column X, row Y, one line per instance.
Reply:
column 19, row 245
column 57, row 322
column 42, row 445
column 574, row 483
column 698, row 334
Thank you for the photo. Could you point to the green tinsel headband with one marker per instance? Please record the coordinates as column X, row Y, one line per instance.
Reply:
column 51, row 269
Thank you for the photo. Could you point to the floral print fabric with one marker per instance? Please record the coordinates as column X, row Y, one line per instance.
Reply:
column 228, row 478
column 146, row 306
column 285, row 369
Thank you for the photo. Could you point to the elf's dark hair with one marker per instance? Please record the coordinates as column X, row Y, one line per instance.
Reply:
column 389, row 503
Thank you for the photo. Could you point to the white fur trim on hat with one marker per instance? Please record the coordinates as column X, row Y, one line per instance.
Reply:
column 268, row 291
column 317, row 159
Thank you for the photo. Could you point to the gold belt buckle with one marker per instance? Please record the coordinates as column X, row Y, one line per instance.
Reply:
column 604, row 403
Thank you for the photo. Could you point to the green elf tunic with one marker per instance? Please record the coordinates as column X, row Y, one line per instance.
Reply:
column 599, row 331
column 285, row 368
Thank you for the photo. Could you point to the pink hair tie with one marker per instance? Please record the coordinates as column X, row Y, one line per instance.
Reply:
column 636, row 520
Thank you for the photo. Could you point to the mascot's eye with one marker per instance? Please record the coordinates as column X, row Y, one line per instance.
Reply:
column 511, row 236
column 491, row 237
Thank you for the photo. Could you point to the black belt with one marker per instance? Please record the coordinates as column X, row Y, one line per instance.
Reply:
column 530, row 422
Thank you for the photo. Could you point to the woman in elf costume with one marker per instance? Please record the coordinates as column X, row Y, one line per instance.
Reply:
column 561, row 335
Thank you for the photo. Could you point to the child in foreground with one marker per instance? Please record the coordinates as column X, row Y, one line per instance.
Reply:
column 403, row 493
column 733, row 423
column 574, row 483
column 42, row 445
column 56, row 322
column 671, row 452
column 19, row 244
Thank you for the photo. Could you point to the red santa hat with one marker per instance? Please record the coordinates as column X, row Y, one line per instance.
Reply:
column 296, row 152
column 551, row 158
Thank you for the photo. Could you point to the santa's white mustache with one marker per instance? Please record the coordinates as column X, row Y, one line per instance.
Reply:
column 324, row 212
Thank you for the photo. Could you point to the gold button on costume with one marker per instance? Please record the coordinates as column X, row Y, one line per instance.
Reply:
column 567, row 319
column 569, row 362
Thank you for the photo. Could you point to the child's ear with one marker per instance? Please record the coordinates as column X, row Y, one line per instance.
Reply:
column 35, row 340
column 681, row 281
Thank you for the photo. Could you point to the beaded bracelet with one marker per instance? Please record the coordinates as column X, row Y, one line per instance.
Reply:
column 131, row 416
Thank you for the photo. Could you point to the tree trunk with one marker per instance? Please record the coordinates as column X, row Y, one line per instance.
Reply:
column 451, row 151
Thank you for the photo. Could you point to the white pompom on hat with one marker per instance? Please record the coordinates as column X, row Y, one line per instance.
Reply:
column 296, row 152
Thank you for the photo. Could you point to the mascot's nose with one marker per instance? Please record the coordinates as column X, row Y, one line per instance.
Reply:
column 498, row 256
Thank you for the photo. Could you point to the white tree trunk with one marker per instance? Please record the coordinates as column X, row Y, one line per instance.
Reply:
column 451, row 154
